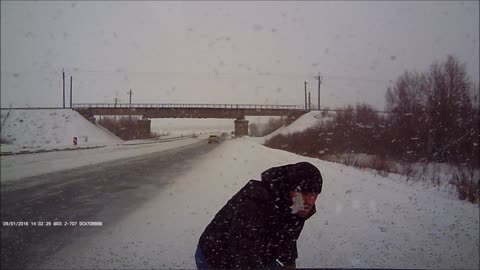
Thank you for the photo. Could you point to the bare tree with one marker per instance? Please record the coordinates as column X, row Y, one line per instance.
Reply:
column 406, row 100
column 435, row 117
column 408, row 95
column 449, row 108
column 367, row 131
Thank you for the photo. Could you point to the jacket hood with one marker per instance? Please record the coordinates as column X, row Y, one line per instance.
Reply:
column 301, row 177
column 257, row 191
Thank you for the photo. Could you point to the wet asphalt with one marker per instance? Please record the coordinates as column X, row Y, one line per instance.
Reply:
column 104, row 192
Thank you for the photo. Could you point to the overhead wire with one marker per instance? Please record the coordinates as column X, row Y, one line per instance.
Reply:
column 214, row 74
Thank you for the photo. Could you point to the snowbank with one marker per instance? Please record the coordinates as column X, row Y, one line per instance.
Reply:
column 304, row 122
column 49, row 128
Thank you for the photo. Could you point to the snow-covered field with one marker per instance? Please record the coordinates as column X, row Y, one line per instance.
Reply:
column 363, row 220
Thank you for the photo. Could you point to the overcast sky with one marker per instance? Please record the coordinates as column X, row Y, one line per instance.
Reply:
column 226, row 52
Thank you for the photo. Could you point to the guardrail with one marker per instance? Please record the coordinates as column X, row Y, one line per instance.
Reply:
column 196, row 106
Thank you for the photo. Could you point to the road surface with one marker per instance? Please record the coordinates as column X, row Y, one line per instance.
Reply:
column 101, row 193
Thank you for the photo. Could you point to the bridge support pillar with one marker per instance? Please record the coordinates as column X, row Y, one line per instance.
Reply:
column 241, row 127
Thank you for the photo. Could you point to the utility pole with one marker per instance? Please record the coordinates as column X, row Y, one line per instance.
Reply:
column 115, row 116
column 305, row 95
column 63, row 76
column 71, row 87
column 309, row 102
column 319, row 78
column 130, row 93
column 130, row 106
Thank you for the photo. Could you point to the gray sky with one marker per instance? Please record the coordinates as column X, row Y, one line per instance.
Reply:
column 226, row 52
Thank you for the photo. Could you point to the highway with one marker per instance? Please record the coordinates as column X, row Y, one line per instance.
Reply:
column 104, row 193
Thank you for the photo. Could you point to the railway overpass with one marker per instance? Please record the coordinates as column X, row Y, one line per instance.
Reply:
column 231, row 111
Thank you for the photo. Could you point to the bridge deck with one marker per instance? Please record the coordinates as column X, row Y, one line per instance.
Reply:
column 232, row 111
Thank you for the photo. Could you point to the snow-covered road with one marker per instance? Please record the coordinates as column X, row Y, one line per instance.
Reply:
column 363, row 220
column 104, row 192
column 21, row 166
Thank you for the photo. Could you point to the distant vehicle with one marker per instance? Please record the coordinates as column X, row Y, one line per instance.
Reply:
column 213, row 139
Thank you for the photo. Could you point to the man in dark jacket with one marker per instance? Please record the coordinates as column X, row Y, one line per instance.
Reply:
column 259, row 226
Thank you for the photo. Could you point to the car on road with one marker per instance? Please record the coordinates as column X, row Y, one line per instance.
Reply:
column 213, row 139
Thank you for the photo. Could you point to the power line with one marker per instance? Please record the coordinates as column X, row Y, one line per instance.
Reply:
column 293, row 75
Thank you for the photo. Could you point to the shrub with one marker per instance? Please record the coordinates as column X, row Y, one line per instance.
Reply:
column 408, row 170
column 349, row 160
column 467, row 182
column 124, row 127
column 380, row 164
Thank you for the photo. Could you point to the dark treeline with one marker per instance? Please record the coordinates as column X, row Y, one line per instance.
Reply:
column 434, row 118
column 124, row 127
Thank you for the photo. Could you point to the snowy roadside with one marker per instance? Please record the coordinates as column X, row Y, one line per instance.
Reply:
column 363, row 220
column 20, row 166
column 16, row 149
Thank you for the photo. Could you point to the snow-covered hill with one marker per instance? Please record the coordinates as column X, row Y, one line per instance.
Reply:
column 48, row 128
column 308, row 120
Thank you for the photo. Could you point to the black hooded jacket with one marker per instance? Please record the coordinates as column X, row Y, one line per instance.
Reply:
column 256, row 226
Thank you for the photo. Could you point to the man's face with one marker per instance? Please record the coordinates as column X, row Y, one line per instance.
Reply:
column 302, row 202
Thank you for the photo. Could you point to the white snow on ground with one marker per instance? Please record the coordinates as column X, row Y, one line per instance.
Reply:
column 363, row 220
column 50, row 128
column 308, row 120
column 185, row 126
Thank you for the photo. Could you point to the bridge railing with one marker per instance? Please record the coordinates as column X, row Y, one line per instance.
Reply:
column 199, row 106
